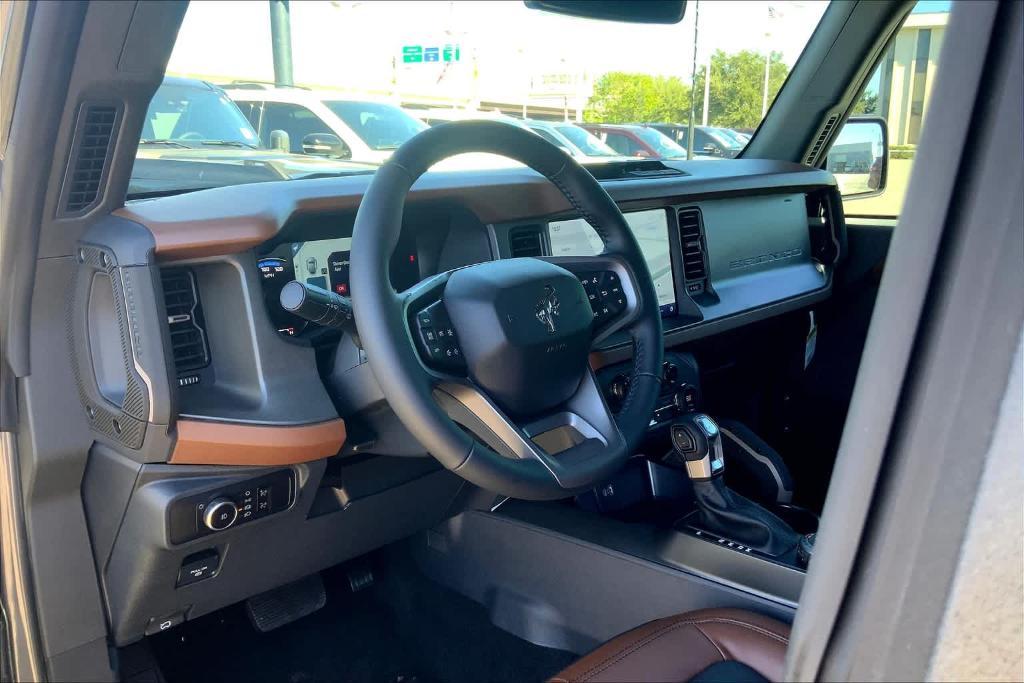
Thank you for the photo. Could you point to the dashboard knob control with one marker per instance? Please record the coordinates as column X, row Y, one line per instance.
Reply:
column 619, row 387
column 220, row 514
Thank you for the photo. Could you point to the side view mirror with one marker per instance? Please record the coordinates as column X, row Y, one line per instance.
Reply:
column 280, row 140
column 325, row 145
column 712, row 149
column 859, row 157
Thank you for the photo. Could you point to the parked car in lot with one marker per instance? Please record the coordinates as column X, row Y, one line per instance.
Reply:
column 573, row 140
column 634, row 140
column 323, row 122
column 194, row 134
column 570, row 138
column 437, row 116
column 708, row 141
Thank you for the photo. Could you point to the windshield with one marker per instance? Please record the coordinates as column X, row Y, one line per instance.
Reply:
column 370, row 74
column 660, row 143
column 381, row 126
column 193, row 114
column 587, row 143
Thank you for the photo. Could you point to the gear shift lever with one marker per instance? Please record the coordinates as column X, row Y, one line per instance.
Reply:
column 697, row 445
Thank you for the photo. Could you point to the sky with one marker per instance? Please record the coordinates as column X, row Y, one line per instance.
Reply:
column 504, row 47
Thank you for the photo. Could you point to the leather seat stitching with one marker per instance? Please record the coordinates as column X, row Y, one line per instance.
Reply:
column 711, row 640
column 614, row 659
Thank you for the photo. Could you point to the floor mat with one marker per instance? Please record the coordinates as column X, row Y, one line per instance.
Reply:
column 404, row 629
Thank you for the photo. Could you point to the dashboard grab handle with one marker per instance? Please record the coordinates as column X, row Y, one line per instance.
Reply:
column 319, row 306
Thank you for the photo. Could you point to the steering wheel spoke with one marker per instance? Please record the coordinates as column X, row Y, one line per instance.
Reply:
column 562, row 440
column 611, row 290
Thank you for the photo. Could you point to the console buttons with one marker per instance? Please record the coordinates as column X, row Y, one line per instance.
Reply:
column 216, row 511
column 198, row 566
column 686, row 398
column 263, row 506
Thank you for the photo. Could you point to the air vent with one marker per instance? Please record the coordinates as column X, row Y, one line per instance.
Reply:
column 526, row 242
column 185, row 320
column 819, row 142
column 93, row 140
column 691, row 235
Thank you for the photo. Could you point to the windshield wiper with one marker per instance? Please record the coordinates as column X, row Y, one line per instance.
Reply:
column 169, row 143
column 229, row 143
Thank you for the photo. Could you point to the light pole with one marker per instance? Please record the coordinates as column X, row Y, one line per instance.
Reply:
column 773, row 13
column 693, row 81
column 707, row 90
column 281, row 41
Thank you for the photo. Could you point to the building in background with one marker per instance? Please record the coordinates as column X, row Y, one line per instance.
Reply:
column 907, row 73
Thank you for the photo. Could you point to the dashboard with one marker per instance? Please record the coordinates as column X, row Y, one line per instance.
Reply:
column 727, row 244
column 215, row 373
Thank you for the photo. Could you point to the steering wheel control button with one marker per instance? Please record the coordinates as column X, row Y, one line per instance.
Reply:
column 604, row 292
column 437, row 338
column 198, row 566
column 220, row 514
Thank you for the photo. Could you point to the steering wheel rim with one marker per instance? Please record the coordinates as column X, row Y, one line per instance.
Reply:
column 429, row 403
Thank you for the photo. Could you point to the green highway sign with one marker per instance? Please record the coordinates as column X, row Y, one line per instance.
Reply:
column 417, row 54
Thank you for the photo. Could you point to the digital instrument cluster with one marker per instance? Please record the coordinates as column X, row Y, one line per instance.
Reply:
column 319, row 263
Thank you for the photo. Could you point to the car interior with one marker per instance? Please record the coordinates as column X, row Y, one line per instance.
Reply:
column 661, row 420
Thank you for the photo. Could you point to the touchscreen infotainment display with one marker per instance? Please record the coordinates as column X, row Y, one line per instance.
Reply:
column 577, row 238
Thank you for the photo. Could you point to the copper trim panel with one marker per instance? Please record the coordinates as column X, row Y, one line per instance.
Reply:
column 226, row 443
column 229, row 220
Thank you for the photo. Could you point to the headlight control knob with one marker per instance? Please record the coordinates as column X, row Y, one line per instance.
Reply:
column 220, row 514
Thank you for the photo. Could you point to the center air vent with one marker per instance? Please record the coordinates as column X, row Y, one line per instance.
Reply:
column 691, row 235
column 526, row 242
column 185, row 320
column 89, row 157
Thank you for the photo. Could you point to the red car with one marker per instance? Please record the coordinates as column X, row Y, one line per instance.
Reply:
column 637, row 141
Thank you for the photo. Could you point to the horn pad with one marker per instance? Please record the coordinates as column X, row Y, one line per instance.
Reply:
column 524, row 326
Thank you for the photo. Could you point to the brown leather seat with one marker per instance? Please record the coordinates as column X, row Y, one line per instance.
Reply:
column 690, row 645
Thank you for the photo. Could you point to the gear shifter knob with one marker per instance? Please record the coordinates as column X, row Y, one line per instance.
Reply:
column 698, row 443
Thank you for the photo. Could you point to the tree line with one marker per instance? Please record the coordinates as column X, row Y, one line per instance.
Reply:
column 736, row 92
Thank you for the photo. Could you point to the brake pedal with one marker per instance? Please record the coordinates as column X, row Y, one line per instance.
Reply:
column 275, row 608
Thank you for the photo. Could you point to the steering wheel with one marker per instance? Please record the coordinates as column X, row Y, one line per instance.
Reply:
column 191, row 135
column 488, row 365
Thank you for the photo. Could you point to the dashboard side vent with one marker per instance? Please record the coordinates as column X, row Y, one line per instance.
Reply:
column 90, row 156
column 823, row 136
column 185, row 320
column 526, row 242
column 691, row 236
